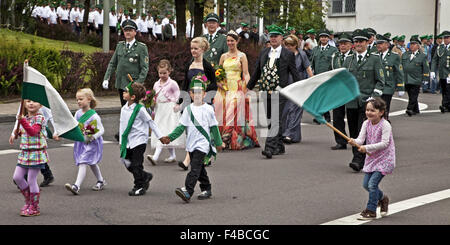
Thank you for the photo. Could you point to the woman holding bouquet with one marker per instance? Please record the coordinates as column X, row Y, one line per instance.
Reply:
column 88, row 153
column 231, row 105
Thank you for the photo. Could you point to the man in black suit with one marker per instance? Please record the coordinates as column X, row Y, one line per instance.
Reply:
column 272, row 70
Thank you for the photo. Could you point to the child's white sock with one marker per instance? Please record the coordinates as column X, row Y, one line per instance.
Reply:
column 81, row 175
column 157, row 153
column 172, row 153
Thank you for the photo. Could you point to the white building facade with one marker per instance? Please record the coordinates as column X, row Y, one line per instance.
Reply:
column 399, row 17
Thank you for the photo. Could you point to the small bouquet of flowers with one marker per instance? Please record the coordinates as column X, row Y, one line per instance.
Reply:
column 221, row 77
column 150, row 99
column 89, row 130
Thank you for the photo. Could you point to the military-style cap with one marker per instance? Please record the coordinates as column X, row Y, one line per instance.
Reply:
column 438, row 36
column 212, row 17
column 415, row 39
column 275, row 30
column 382, row 38
column 395, row 38
column 223, row 23
column 387, row 34
column 244, row 24
column 143, row 15
column 445, row 34
column 401, row 38
column 345, row 37
column 423, row 37
column 129, row 24
column 371, row 31
column 324, row 32
column 359, row 34
column 311, row 31
column 429, row 37
column 255, row 25
column 299, row 32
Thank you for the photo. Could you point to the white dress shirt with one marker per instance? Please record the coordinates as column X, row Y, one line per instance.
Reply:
column 112, row 20
column 138, row 134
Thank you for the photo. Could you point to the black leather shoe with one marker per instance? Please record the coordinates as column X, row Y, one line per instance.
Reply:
column 147, row 181
column 116, row 136
column 442, row 109
column 204, row 195
column 354, row 166
column 47, row 181
column 181, row 165
column 409, row 112
column 287, row 140
column 339, row 147
column 268, row 154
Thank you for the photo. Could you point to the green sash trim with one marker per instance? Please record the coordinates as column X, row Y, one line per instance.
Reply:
column 204, row 133
column 86, row 116
column 123, row 146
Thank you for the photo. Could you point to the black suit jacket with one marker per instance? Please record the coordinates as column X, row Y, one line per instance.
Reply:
column 286, row 67
column 210, row 74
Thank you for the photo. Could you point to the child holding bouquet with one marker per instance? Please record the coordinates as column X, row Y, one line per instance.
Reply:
column 88, row 153
column 166, row 118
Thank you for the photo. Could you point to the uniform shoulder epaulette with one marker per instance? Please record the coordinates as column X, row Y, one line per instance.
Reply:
column 121, row 42
column 375, row 53
column 141, row 43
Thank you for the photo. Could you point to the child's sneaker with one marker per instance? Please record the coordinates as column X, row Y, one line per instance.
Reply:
column 384, row 203
column 72, row 188
column 99, row 185
column 150, row 158
column 183, row 194
column 367, row 215
column 169, row 160
column 204, row 195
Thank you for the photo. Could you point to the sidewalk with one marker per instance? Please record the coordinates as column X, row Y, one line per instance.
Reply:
column 105, row 105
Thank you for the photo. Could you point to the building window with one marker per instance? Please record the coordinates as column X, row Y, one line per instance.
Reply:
column 342, row 7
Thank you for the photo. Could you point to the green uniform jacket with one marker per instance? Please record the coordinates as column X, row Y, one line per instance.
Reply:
column 338, row 59
column 133, row 61
column 441, row 60
column 416, row 70
column 321, row 60
column 217, row 47
column 369, row 75
column 373, row 49
column 393, row 73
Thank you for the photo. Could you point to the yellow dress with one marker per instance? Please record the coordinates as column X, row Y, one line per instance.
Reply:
column 232, row 109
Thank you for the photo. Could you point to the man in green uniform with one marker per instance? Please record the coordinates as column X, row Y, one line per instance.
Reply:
column 441, row 63
column 415, row 67
column 337, row 61
column 367, row 69
column 130, row 57
column 321, row 59
column 371, row 43
column 393, row 71
column 217, row 41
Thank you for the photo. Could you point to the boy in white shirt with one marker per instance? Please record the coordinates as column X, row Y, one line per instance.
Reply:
column 134, row 127
column 199, row 120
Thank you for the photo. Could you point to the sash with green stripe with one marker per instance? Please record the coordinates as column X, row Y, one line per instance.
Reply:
column 123, row 146
column 212, row 151
column 86, row 116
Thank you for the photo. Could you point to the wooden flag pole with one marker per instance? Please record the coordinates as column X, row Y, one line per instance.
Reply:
column 22, row 104
column 129, row 77
column 343, row 135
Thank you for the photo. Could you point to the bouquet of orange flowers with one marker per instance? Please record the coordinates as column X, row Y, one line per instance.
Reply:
column 221, row 77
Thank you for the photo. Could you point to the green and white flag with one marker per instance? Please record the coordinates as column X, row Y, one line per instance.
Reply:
column 37, row 88
column 323, row 92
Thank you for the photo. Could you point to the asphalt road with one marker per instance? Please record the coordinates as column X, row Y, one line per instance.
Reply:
column 309, row 185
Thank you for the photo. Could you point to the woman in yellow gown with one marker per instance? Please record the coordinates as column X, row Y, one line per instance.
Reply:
column 231, row 105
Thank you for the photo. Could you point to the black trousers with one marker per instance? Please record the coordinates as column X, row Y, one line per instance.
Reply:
column 46, row 172
column 197, row 173
column 413, row 94
column 387, row 98
column 339, row 123
column 274, row 141
column 112, row 29
column 136, row 157
column 355, row 119
column 445, row 88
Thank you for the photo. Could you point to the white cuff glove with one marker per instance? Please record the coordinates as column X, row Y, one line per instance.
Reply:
column 105, row 84
column 378, row 92
column 432, row 75
column 401, row 93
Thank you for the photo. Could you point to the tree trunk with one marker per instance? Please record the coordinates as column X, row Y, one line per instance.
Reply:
column 198, row 18
column 83, row 25
column 180, row 9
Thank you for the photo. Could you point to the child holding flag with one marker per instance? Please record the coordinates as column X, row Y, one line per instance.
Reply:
column 200, row 122
column 88, row 153
column 33, row 156
column 377, row 133
column 134, row 128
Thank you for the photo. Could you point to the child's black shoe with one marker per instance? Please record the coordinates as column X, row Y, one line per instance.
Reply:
column 183, row 194
column 204, row 195
column 137, row 191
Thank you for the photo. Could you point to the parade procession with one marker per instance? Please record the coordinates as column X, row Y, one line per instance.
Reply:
column 224, row 113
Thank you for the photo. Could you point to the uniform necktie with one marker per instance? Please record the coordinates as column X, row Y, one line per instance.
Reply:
column 128, row 45
column 272, row 58
column 359, row 59
column 210, row 38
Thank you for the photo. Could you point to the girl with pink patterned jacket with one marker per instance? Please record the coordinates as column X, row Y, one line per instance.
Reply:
column 33, row 156
column 376, row 132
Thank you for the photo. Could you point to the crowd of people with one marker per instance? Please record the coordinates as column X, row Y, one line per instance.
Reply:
column 220, row 115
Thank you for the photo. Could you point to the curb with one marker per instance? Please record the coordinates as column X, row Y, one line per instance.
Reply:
column 101, row 111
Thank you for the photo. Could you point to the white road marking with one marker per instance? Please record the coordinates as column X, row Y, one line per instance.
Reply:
column 72, row 144
column 395, row 208
column 4, row 152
